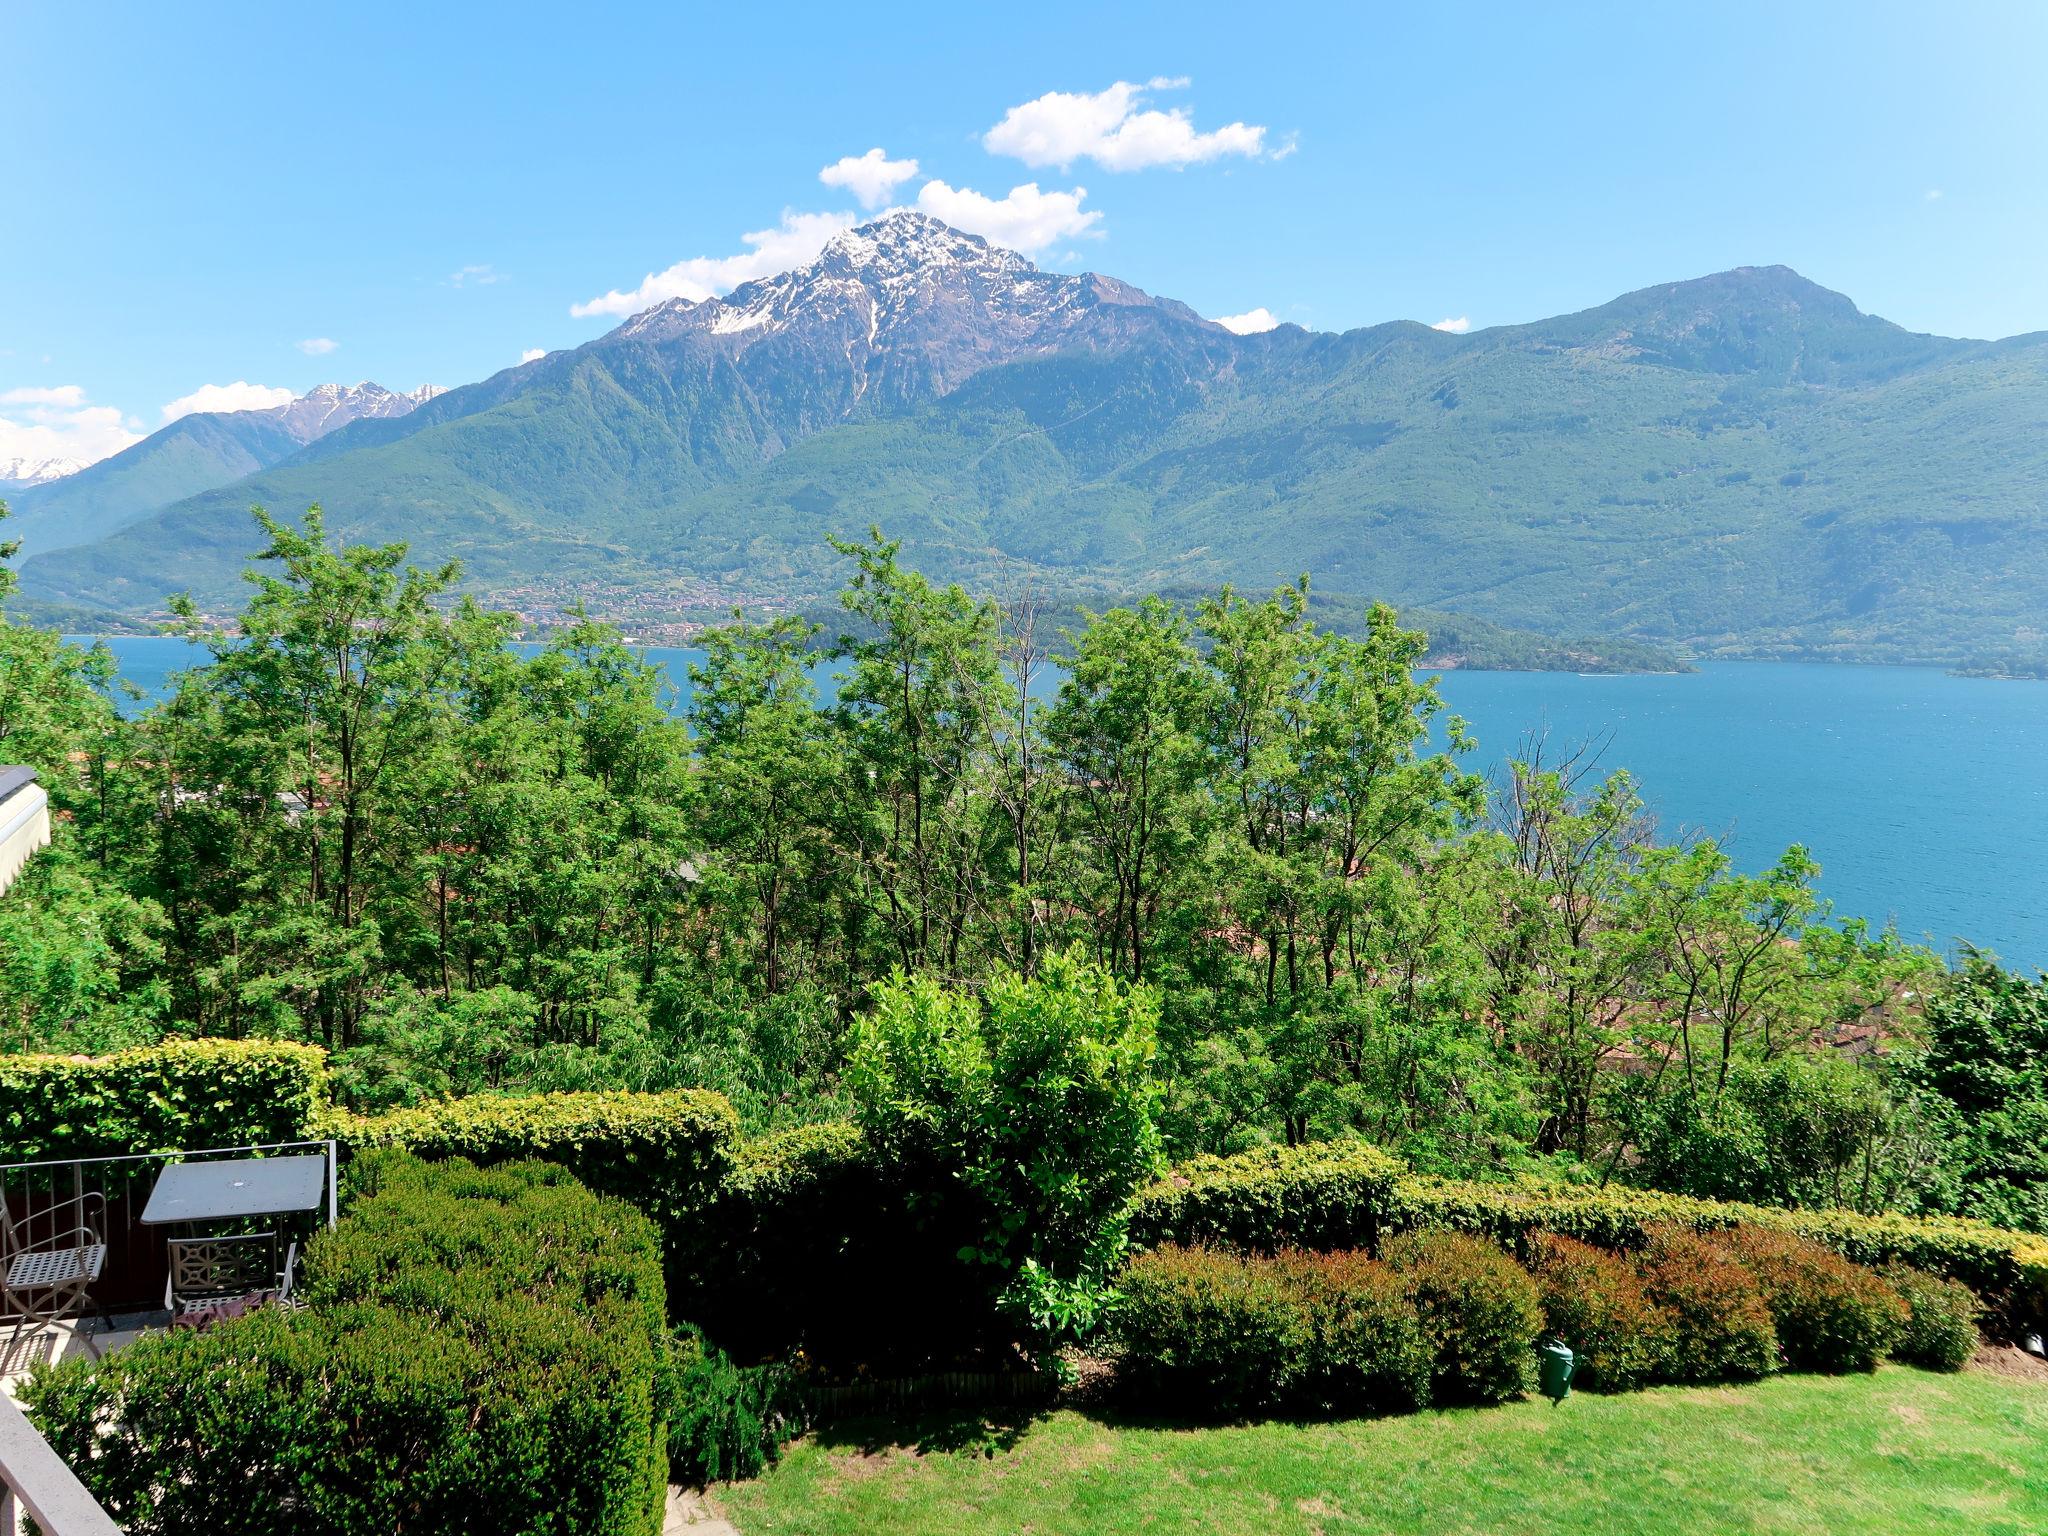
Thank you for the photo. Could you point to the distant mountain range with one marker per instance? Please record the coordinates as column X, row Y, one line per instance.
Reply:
column 1740, row 464
column 18, row 474
column 195, row 453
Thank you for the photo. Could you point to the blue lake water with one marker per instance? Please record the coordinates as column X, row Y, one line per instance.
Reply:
column 1923, row 796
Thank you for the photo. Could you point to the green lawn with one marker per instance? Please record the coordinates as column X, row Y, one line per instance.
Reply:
column 1899, row 1452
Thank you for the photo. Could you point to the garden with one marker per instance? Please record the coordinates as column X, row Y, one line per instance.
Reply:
column 985, row 1301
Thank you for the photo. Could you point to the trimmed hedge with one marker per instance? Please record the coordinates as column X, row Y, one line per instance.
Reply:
column 484, row 1350
column 1366, row 1350
column 1595, row 1303
column 669, row 1153
column 1329, row 1195
column 2009, row 1269
column 1348, row 1194
column 1723, row 1328
column 1209, row 1333
column 183, row 1094
column 1940, row 1333
column 1831, row 1315
column 1480, row 1312
column 1450, row 1317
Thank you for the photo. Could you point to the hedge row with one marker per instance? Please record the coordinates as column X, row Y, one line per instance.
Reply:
column 2008, row 1269
column 1329, row 1195
column 813, row 1243
column 484, row 1350
column 188, row 1093
column 1450, row 1317
column 782, row 1238
column 669, row 1153
column 1339, row 1195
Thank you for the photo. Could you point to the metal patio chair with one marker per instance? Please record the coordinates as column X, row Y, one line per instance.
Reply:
column 47, row 1279
column 212, row 1273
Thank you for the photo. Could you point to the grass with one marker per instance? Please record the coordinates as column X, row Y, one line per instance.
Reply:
column 1901, row 1451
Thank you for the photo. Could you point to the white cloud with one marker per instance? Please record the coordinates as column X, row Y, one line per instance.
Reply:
column 61, row 394
column 1116, row 130
column 1457, row 327
column 57, row 422
column 796, row 240
column 533, row 354
column 1934, row 194
column 1025, row 219
column 871, row 177
column 482, row 275
column 1251, row 322
column 238, row 396
column 318, row 346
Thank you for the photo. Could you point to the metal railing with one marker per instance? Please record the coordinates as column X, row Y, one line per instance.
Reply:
column 132, row 1280
column 34, row 1481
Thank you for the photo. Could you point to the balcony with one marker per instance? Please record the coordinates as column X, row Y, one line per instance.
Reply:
column 109, row 1224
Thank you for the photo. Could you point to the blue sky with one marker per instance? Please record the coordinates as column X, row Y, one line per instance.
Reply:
column 199, row 197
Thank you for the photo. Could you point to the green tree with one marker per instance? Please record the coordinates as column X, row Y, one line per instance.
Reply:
column 919, row 703
column 768, row 782
column 1122, row 731
column 1983, row 1070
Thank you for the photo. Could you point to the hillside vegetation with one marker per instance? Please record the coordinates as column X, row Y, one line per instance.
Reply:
column 1744, row 464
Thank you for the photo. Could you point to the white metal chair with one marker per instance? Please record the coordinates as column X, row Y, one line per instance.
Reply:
column 47, row 1279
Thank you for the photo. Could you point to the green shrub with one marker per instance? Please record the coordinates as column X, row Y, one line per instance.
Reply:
column 1205, row 1332
column 1479, row 1310
column 1595, row 1303
column 1831, row 1315
column 1346, row 1194
column 818, row 1244
column 1365, row 1350
column 185, row 1094
column 1722, row 1328
column 482, row 1351
column 725, row 1422
column 1940, row 1331
column 668, row 1153
column 1020, row 1122
column 1326, row 1196
column 2011, row 1267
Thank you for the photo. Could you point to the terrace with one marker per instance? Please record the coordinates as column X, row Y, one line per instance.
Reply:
column 99, row 1250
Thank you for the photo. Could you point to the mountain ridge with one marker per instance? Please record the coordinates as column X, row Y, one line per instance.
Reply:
column 1743, row 462
column 194, row 453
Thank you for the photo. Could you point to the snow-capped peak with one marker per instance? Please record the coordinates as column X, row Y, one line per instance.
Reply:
column 324, row 407
column 21, row 473
column 907, row 242
column 904, row 308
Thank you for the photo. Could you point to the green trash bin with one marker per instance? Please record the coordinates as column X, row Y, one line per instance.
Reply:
column 1554, row 1367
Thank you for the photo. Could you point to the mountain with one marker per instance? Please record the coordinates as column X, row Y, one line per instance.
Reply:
column 326, row 408
column 18, row 474
column 1743, row 463
column 194, row 453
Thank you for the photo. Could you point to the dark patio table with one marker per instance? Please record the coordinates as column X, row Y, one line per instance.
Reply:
column 236, row 1188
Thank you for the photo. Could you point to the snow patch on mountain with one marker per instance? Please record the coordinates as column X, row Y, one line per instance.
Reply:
column 325, row 407
column 910, row 296
column 18, row 474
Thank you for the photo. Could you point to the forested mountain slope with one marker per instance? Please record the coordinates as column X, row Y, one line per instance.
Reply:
column 1743, row 463
column 194, row 453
